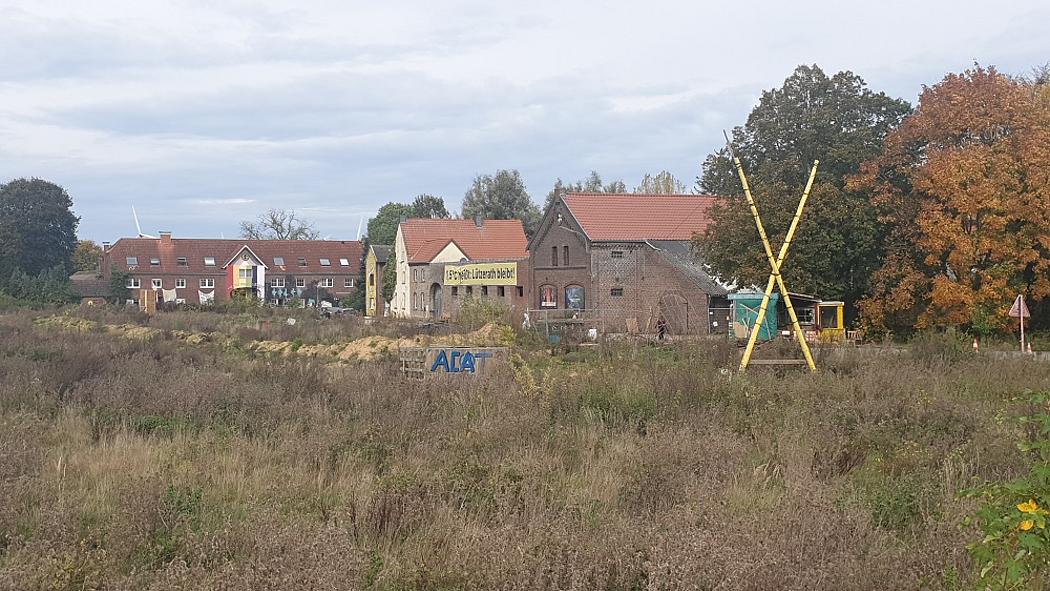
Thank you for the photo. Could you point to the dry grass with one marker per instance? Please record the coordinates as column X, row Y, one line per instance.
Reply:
column 154, row 464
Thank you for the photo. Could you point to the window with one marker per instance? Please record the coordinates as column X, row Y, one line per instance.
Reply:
column 348, row 282
column 548, row 297
column 565, row 256
column 300, row 282
column 245, row 275
column 154, row 261
column 207, row 282
column 554, row 256
column 327, row 282
column 326, row 262
column 805, row 315
column 209, row 261
column 371, row 278
column 156, row 283
column 302, row 261
column 829, row 317
column 180, row 284
column 277, row 282
column 616, row 254
column 484, row 290
column 574, row 297
column 470, row 290
column 133, row 283
column 501, row 292
column 133, row 261
column 279, row 261
column 455, row 290
column 183, row 262
column 521, row 291
column 344, row 262
column 616, row 292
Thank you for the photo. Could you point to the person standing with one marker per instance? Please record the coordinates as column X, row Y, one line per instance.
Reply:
column 661, row 328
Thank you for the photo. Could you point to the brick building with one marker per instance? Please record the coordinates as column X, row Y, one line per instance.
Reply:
column 486, row 259
column 192, row 270
column 626, row 259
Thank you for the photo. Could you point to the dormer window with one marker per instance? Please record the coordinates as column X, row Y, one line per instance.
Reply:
column 344, row 262
column 209, row 261
column 133, row 261
column 154, row 261
column 183, row 262
column 279, row 261
column 302, row 261
column 326, row 263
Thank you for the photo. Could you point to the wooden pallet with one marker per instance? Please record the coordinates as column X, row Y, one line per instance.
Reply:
column 413, row 363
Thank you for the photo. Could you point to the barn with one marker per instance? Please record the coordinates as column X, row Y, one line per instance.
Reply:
column 622, row 262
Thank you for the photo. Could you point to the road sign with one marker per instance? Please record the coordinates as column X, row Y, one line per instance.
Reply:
column 1019, row 309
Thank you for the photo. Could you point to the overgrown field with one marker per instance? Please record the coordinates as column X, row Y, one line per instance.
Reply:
column 154, row 463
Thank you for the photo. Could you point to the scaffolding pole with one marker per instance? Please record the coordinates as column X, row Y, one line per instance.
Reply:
column 775, row 277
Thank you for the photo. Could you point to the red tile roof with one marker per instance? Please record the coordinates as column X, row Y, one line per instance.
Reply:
column 636, row 217
column 195, row 249
column 494, row 240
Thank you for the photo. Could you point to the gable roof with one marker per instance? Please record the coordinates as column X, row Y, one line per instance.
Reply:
column 194, row 250
column 250, row 251
column 380, row 251
column 679, row 253
column 88, row 284
column 633, row 217
column 494, row 240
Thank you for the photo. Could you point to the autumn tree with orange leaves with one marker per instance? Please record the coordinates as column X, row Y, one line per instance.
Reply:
column 964, row 186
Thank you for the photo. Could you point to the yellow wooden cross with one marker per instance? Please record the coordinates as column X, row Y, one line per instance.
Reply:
column 775, row 265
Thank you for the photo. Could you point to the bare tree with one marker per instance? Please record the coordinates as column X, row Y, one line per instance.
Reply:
column 278, row 224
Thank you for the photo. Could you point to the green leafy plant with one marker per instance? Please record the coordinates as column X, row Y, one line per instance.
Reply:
column 1014, row 552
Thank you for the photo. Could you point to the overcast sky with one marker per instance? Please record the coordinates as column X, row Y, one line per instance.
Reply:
column 201, row 114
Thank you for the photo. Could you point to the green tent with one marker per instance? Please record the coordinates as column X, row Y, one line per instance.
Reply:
column 745, row 305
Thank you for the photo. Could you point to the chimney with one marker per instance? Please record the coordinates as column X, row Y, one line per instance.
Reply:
column 404, row 218
column 479, row 221
column 105, row 247
column 165, row 237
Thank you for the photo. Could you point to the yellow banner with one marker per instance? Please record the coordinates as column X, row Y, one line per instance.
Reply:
column 482, row 274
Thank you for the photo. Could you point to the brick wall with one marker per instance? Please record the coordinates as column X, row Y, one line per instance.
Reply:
column 634, row 281
column 559, row 258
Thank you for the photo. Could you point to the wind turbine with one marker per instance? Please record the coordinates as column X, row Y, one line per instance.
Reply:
column 138, row 228
column 360, row 222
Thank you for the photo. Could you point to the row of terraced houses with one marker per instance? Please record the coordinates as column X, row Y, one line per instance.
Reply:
column 624, row 260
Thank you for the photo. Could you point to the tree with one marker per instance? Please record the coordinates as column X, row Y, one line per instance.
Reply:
column 964, row 186
column 501, row 197
column 428, row 206
column 662, row 183
column 38, row 230
column 118, row 286
column 837, row 120
column 279, row 224
column 49, row 287
column 86, row 256
column 382, row 229
column 389, row 280
column 592, row 184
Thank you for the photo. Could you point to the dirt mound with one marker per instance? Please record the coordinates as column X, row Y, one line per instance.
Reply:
column 363, row 349
column 67, row 323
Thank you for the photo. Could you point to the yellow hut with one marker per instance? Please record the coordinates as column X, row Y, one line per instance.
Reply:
column 830, row 321
column 375, row 262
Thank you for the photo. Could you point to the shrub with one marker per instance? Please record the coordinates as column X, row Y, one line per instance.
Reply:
column 950, row 346
column 1015, row 550
column 477, row 312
